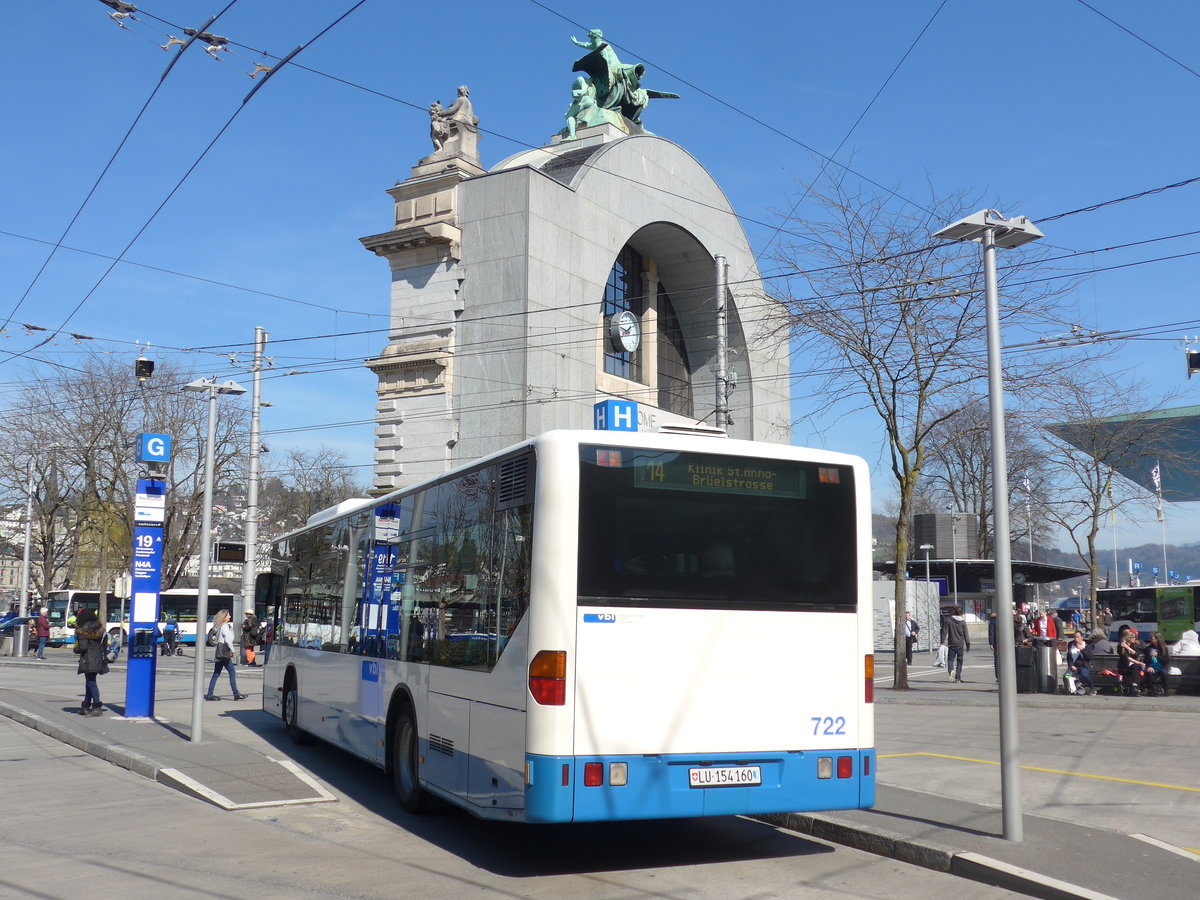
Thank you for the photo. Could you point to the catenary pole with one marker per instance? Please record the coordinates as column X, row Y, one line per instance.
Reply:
column 250, row 534
column 722, row 343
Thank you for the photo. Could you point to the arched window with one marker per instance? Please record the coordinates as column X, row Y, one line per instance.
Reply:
column 623, row 294
column 674, row 371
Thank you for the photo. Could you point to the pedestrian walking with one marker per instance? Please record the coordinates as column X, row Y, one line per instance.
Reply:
column 993, row 637
column 91, row 646
column 911, row 630
column 42, row 628
column 250, row 636
column 957, row 643
column 222, row 656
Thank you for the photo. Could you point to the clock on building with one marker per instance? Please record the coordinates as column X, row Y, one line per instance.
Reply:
column 625, row 331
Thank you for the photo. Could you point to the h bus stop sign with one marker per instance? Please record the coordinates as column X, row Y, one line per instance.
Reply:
column 615, row 415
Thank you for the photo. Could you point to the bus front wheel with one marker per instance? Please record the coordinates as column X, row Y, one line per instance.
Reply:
column 291, row 714
column 406, row 763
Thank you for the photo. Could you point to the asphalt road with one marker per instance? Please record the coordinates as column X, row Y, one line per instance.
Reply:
column 75, row 826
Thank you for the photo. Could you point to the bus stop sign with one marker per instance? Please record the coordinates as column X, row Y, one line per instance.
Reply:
column 154, row 448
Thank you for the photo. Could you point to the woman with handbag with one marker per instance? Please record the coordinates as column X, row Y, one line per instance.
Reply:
column 90, row 641
column 223, row 655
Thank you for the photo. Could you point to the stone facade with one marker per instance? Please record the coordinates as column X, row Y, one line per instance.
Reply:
column 498, row 330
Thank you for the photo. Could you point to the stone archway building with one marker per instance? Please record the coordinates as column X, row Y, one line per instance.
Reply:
column 505, row 284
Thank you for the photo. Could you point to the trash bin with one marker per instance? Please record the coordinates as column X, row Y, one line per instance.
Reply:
column 1046, row 666
column 1026, row 674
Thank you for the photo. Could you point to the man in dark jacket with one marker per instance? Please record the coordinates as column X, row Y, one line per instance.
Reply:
column 957, row 643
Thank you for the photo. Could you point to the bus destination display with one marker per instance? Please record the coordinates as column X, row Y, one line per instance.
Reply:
column 719, row 474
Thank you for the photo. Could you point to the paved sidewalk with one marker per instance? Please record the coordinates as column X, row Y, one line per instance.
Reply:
column 232, row 767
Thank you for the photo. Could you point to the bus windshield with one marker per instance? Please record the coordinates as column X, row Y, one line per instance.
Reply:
column 689, row 530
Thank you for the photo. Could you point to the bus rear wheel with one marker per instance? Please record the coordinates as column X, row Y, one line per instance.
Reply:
column 406, row 763
column 291, row 714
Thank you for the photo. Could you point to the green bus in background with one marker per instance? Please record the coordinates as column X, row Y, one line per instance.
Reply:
column 1169, row 609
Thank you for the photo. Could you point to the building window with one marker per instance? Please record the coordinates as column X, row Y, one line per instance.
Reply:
column 674, row 371
column 623, row 293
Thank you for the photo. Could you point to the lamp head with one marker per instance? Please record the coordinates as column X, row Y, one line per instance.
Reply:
column 1006, row 233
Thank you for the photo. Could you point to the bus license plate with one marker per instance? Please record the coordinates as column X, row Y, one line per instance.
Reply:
column 727, row 776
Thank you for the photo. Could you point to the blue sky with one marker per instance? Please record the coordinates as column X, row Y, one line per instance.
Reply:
column 1043, row 104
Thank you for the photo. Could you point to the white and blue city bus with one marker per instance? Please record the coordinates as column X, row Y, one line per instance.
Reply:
column 593, row 626
column 175, row 603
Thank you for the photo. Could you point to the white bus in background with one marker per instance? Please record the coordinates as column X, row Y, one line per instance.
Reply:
column 63, row 605
column 593, row 626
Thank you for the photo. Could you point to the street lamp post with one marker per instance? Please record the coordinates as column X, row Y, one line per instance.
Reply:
column 954, row 555
column 992, row 230
column 21, row 632
column 928, row 580
column 212, row 389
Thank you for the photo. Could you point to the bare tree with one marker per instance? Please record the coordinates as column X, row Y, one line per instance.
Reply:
column 958, row 471
column 80, row 426
column 1104, row 423
column 891, row 321
column 307, row 482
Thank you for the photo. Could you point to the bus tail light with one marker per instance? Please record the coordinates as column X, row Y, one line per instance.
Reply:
column 593, row 774
column 824, row 767
column 845, row 766
column 869, row 678
column 548, row 677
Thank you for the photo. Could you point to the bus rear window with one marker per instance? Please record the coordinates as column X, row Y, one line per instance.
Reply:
column 712, row 531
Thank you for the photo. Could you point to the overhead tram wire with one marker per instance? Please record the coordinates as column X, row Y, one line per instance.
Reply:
column 825, row 164
column 483, row 346
column 522, row 390
column 202, row 278
column 529, row 146
column 181, row 181
column 215, row 349
column 108, row 165
column 1138, row 37
column 496, row 134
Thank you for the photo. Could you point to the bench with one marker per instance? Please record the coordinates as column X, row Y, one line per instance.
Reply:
column 1186, row 683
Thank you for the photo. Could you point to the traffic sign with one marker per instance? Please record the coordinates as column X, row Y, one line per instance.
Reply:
column 154, row 448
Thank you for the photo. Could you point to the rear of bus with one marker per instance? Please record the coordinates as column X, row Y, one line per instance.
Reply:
column 711, row 653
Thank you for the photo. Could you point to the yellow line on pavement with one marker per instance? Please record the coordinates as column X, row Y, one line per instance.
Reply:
column 992, row 762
